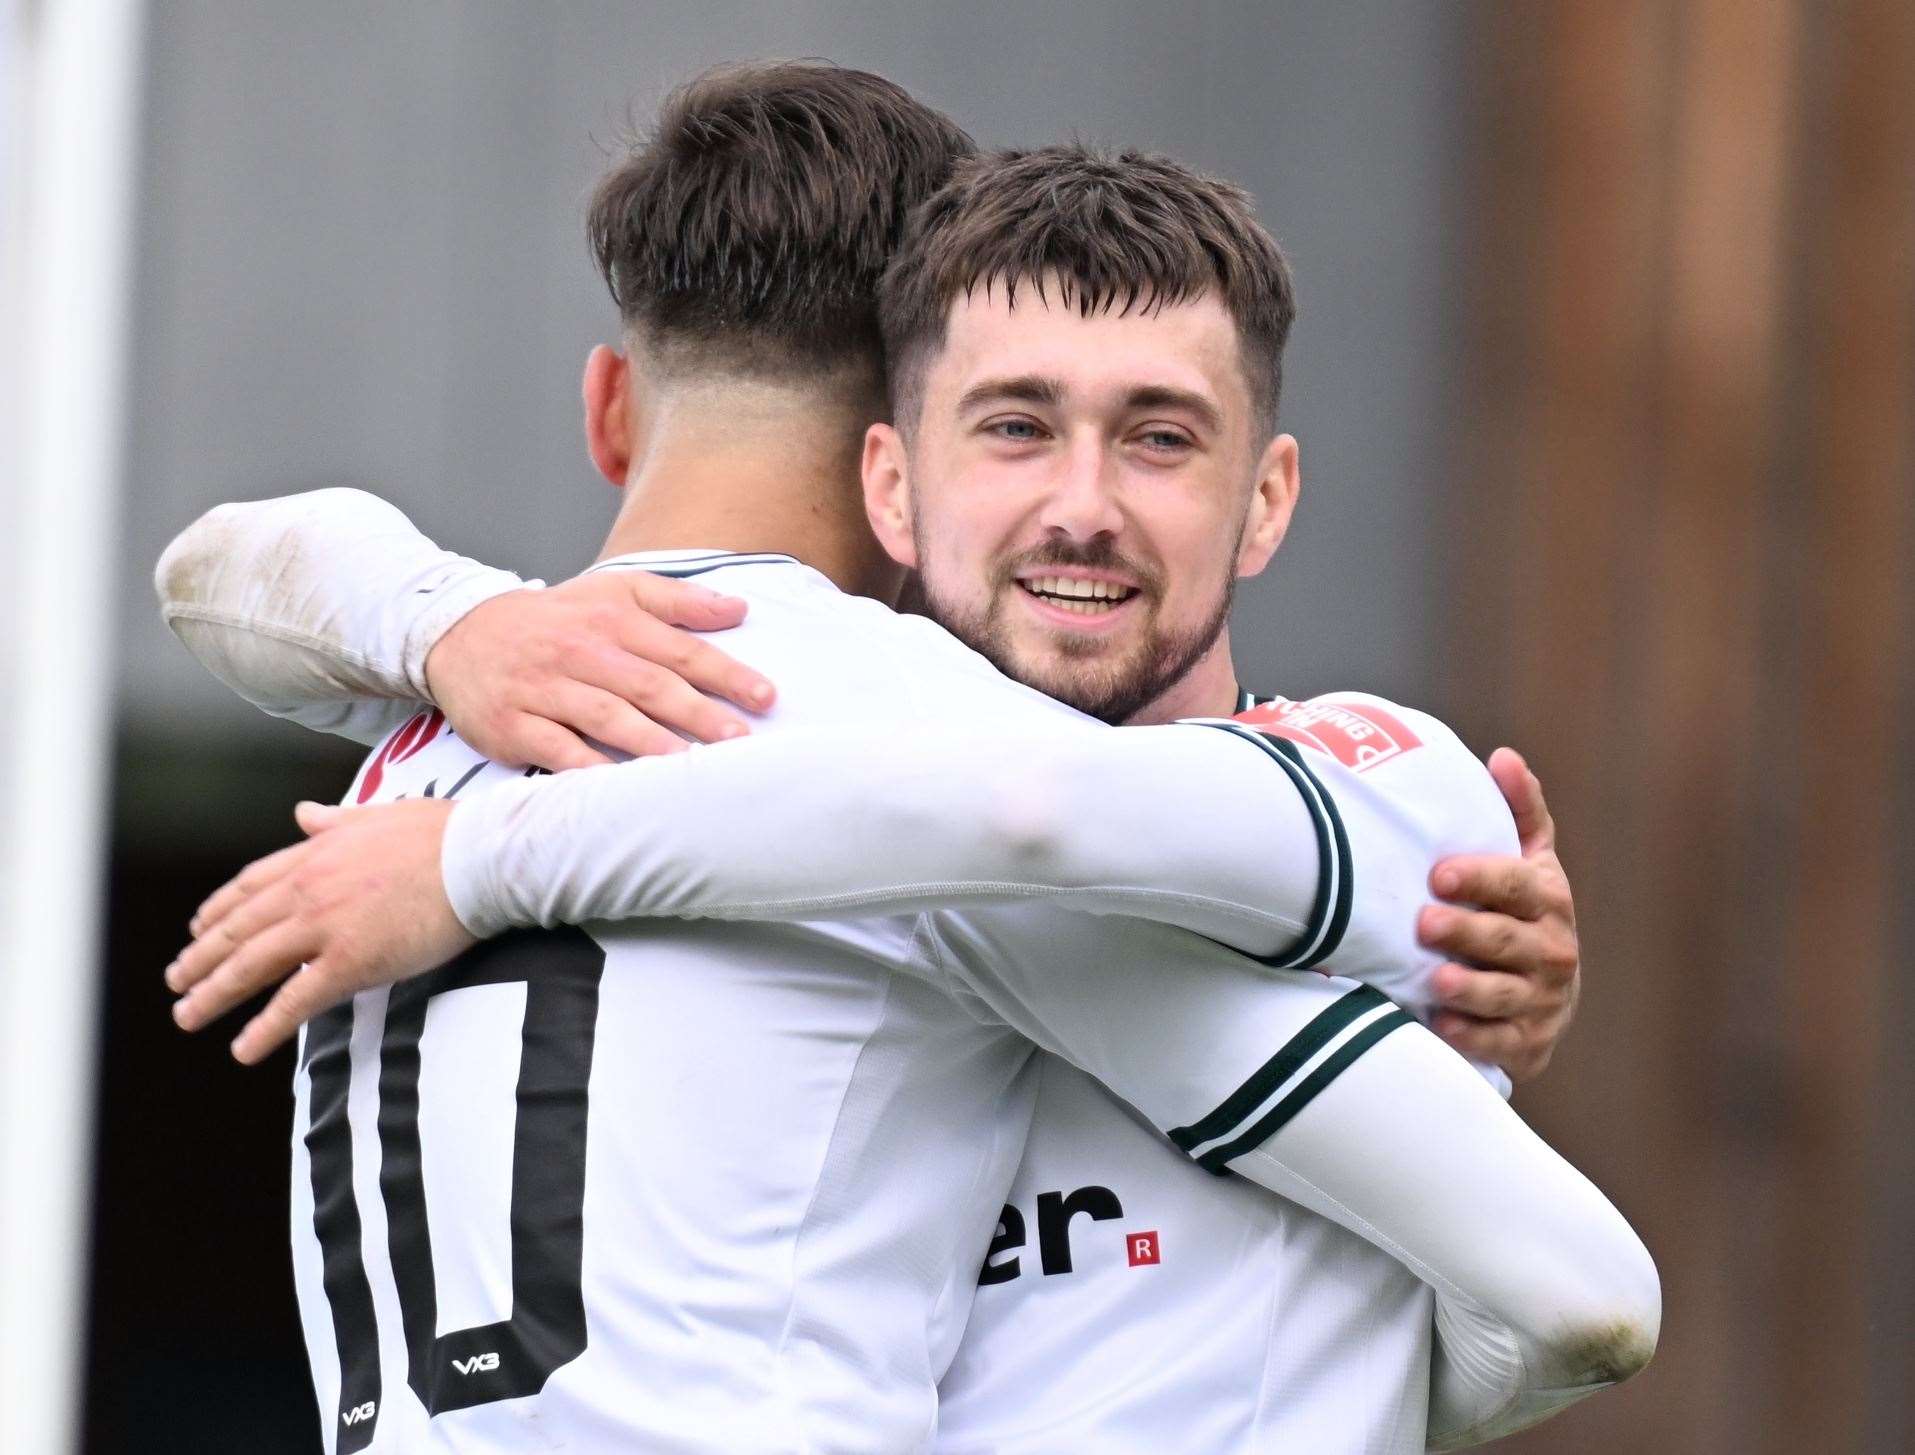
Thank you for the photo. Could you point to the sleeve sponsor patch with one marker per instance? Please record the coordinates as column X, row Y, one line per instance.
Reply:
column 1358, row 735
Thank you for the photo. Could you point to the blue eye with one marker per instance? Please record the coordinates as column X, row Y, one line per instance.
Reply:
column 1015, row 429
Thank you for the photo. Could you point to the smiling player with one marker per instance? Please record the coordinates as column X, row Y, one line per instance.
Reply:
column 1370, row 1126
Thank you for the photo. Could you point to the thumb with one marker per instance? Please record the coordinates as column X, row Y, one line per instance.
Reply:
column 316, row 818
column 1523, row 791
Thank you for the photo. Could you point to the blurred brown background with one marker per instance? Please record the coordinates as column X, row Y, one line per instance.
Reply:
column 1693, row 383
column 1604, row 379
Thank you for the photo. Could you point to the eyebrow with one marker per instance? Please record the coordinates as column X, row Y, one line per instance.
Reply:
column 1041, row 389
column 1162, row 396
column 1028, row 388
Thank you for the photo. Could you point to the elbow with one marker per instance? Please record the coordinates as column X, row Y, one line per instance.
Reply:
column 1613, row 1337
column 179, row 576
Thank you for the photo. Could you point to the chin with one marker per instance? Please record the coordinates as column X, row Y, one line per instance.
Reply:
column 1092, row 686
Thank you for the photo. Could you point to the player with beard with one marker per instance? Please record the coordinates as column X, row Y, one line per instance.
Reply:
column 1060, row 941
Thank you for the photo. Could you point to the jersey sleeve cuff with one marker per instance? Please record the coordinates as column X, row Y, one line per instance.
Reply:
column 441, row 606
column 1291, row 1079
column 472, row 860
column 1330, row 911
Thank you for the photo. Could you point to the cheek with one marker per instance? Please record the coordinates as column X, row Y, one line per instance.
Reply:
column 1194, row 548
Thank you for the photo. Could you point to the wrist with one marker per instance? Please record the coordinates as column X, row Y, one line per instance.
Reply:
column 438, row 610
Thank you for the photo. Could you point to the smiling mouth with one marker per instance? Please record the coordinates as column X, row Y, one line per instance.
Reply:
column 1085, row 598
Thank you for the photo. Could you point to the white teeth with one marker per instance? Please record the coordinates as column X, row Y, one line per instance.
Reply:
column 1073, row 589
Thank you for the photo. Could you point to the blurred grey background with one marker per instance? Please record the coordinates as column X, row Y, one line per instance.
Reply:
column 1605, row 379
column 362, row 262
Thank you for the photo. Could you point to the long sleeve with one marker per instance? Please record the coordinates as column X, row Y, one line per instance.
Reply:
column 1330, row 1095
column 319, row 607
column 1544, row 1294
column 1277, row 852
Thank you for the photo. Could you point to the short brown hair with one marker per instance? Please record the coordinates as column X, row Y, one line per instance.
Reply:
column 1124, row 231
column 749, row 231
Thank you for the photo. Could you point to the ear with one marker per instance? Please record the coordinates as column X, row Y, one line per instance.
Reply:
column 1271, row 504
column 608, row 412
column 887, row 493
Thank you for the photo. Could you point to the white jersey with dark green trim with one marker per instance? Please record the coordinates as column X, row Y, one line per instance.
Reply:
column 1129, row 1307
column 677, row 1186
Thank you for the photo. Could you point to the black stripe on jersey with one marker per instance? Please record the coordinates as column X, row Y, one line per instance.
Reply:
column 1330, row 911
column 1280, row 1067
column 1218, row 1158
column 327, row 1057
column 698, row 566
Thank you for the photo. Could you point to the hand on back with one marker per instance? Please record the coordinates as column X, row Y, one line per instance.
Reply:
column 610, row 659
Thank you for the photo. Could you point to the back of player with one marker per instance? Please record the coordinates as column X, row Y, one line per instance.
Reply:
column 658, row 1186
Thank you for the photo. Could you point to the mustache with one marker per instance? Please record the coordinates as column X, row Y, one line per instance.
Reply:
column 1099, row 554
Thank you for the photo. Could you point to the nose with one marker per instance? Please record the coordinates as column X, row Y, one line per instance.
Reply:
column 1082, row 502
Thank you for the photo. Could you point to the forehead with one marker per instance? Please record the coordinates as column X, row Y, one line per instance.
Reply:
column 1190, row 346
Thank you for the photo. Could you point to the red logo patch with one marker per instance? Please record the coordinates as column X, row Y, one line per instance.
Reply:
column 1142, row 1248
column 1358, row 735
column 417, row 732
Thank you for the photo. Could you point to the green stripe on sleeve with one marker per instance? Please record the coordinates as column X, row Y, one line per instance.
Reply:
column 1281, row 1067
column 1324, row 928
column 1339, row 911
column 1218, row 1158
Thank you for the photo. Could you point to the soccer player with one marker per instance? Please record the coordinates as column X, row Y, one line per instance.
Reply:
column 1208, row 1010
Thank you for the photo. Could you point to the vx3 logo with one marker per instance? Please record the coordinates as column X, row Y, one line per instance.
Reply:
column 359, row 1414
column 477, row 1364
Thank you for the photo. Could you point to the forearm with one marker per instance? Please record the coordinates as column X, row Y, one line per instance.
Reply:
column 809, row 825
column 1544, row 1293
column 319, row 607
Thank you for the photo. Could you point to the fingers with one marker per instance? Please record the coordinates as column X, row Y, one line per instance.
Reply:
column 1490, row 995
column 1545, row 952
column 242, row 886
column 220, row 938
column 271, row 955
column 683, row 603
column 608, row 718
column 1523, row 791
column 699, row 663
column 309, row 992
column 1519, row 887
column 671, row 700
column 1496, row 1043
column 543, row 743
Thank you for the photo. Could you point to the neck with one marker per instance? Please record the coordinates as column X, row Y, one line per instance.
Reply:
column 1208, row 689
column 753, row 470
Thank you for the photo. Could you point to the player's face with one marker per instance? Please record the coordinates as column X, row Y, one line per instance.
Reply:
column 1080, row 494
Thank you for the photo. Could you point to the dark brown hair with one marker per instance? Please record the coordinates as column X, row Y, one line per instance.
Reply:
column 1108, row 232
column 748, row 232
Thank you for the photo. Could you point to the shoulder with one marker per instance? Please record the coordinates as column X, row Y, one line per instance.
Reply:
column 1357, row 729
column 814, row 639
column 1370, row 744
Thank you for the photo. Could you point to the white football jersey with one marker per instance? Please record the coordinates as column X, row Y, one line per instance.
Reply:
column 667, row 1186
column 462, row 1207
column 1127, row 1306
column 1130, row 1305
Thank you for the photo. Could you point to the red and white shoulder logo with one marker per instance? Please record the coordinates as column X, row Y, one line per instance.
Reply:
column 407, row 740
column 1358, row 735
